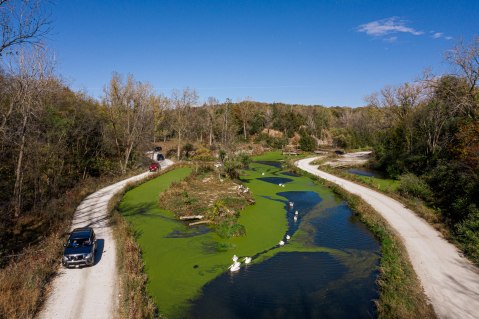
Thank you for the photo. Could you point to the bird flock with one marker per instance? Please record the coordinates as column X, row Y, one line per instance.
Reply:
column 237, row 265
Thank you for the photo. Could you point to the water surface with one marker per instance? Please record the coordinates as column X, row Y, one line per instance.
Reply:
column 327, row 270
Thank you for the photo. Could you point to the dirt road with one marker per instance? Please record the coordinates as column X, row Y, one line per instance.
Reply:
column 450, row 281
column 91, row 292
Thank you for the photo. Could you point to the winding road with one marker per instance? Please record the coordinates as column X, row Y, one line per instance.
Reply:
column 91, row 292
column 450, row 281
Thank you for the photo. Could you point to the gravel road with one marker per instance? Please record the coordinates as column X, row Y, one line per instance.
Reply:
column 91, row 292
column 450, row 281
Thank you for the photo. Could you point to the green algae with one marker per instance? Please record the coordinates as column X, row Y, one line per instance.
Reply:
column 178, row 267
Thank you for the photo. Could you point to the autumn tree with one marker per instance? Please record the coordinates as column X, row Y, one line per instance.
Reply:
column 244, row 111
column 30, row 74
column 181, row 103
column 211, row 105
column 130, row 106
column 160, row 117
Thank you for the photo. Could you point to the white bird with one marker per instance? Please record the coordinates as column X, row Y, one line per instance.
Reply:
column 295, row 218
column 262, row 173
column 296, row 213
column 280, row 185
column 235, row 266
column 291, row 204
column 247, row 260
column 281, row 243
column 288, row 237
column 235, row 258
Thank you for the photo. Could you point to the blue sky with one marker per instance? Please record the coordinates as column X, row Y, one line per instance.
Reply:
column 306, row 52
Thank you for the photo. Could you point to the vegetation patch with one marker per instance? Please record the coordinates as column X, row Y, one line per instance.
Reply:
column 205, row 193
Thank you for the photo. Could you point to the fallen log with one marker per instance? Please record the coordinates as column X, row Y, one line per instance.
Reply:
column 200, row 222
column 191, row 217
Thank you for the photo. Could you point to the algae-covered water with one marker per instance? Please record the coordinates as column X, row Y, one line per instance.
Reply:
column 327, row 268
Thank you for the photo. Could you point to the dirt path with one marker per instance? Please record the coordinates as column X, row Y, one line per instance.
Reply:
column 91, row 292
column 450, row 281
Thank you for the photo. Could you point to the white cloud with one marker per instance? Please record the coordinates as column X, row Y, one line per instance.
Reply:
column 384, row 27
column 439, row 35
column 391, row 39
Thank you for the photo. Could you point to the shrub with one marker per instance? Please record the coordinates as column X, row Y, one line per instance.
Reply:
column 307, row 143
column 274, row 142
column 229, row 228
column 187, row 149
column 414, row 187
column 244, row 160
column 203, row 154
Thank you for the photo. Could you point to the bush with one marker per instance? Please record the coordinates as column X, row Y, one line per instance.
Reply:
column 307, row 143
column 203, row 154
column 412, row 186
column 231, row 167
column 468, row 234
column 244, row 160
column 229, row 228
column 274, row 142
column 187, row 149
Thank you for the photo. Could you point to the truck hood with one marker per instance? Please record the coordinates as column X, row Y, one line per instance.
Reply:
column 77, row 250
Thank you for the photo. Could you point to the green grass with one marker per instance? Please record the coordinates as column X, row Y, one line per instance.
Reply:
column 383, row 184
column 178, row 268
column 387, row 185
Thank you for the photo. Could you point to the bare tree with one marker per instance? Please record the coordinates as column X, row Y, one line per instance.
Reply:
column 211, row 105
column 181, row 103
column 22, row 22
column 30, row 74
column 268, row 116
column 159, row 108
column 130, row 106
column 465, row 58
column 244, row 111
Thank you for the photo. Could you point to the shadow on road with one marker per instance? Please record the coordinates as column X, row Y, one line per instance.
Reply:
column 100, row 245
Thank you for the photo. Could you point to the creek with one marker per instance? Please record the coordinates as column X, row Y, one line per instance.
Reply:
column 327, row 269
